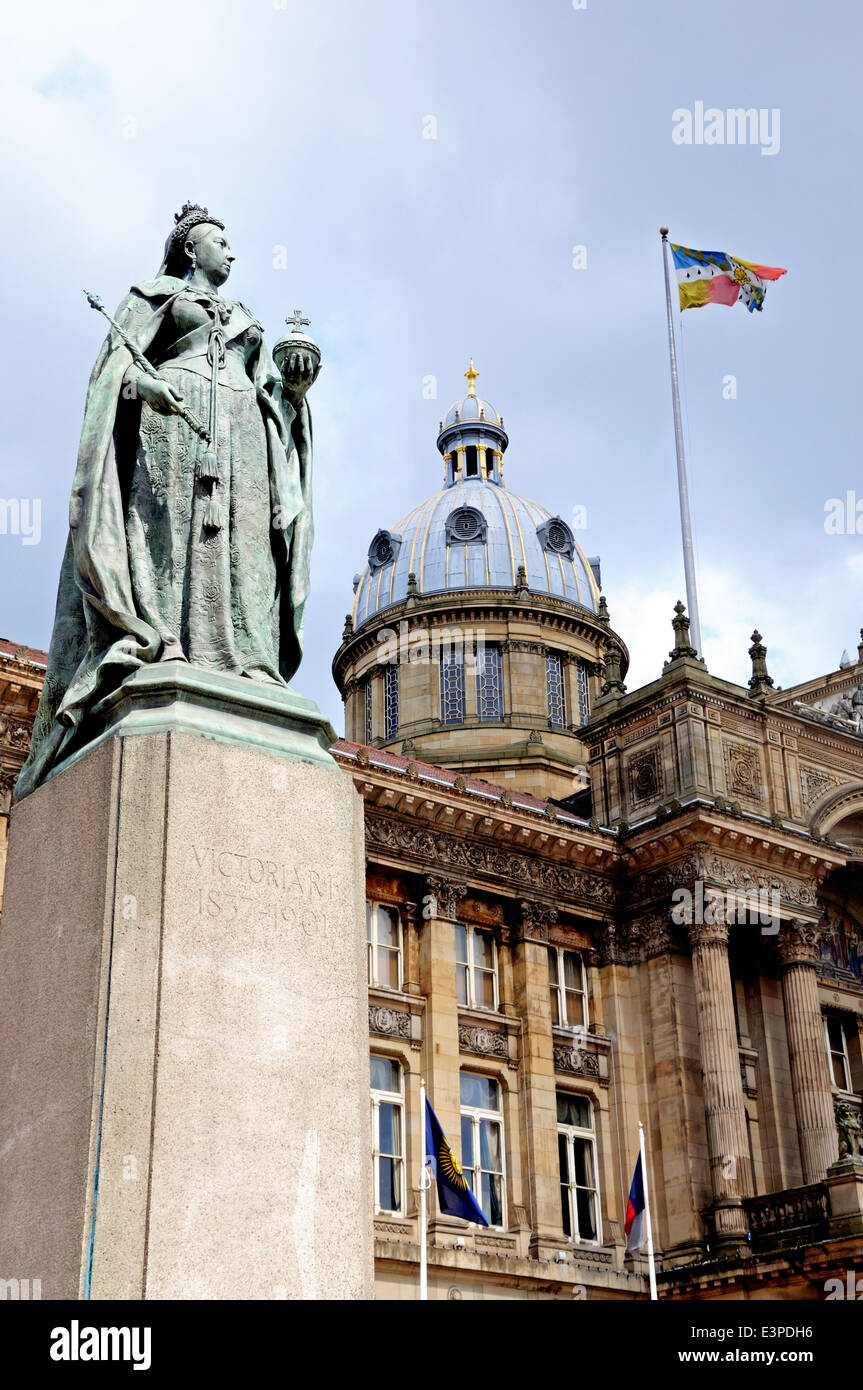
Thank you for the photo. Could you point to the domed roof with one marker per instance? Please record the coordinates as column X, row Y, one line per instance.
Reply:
column 471, row 408
column 474, row 534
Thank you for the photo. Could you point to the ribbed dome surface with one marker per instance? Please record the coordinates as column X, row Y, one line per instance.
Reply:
column 471, row 408
column 442, row 565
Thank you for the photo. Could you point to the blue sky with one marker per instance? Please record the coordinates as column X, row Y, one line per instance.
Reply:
column 303, row 126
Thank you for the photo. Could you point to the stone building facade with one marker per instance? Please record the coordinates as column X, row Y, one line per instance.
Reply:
column 588, row 907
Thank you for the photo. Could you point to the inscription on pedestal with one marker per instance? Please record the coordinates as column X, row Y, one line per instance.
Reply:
column 236, row 886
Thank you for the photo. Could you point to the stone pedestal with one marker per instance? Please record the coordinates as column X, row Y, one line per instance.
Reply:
column 184, row 1088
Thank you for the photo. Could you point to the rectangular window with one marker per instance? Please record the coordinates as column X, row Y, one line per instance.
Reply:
column 482, row 1147
column 576, row 1147
column 837, row 1052
column 568, row 988
column 583, row 693
column 452, row 686
column 476, row 967
column 391, row 701
column 388, row 1134
column 368, row 709
column 489, row 686
column 384, row 945
column 554, row 691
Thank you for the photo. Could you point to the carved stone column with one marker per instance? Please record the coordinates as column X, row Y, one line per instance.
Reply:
column 529, row 941
column 724, row 1105
column 797, row 944
column 438, row 983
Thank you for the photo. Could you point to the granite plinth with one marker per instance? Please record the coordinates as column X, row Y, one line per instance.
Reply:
column 184, row 1094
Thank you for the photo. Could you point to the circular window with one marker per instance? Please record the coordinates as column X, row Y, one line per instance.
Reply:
column 466, row 524
column 383, row 549
column 557, row 537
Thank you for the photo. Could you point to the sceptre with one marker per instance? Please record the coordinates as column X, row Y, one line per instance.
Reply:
column 140, row 361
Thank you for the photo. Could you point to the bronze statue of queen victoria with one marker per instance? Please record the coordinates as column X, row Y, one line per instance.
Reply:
column 190, row 523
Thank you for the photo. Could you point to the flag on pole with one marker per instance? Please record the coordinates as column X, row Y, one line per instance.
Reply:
column 453, row 1192
column 714, row 277
column 634, row 1223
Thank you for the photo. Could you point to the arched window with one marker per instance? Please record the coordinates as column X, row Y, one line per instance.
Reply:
column 471, row 468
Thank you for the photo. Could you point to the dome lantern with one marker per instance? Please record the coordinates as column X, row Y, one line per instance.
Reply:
column 472, row 438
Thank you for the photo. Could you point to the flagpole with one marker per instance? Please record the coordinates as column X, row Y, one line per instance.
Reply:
column 650, row 1261
column 682, row 485
column 424, row 1176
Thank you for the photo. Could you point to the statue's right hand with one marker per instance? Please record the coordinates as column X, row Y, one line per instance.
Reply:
column 159, row 395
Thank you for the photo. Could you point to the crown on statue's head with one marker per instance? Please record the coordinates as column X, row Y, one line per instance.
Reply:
column 191, row 215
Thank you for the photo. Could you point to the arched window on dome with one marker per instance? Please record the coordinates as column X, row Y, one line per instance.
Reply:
column 471, row 461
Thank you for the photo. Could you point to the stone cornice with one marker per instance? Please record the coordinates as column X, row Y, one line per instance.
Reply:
column 485, row 862
column 468, row 607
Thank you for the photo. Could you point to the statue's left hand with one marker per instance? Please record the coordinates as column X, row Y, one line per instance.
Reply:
column 299, row 372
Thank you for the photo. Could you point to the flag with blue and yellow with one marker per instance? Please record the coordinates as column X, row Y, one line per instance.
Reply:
column 714, row 277
column 453, row 1191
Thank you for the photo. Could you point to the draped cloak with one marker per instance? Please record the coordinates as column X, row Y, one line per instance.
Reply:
column 100, row 635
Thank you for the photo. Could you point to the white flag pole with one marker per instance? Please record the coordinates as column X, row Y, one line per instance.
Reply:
column 650, row 1261
column 682, row 485
column 425, row 1183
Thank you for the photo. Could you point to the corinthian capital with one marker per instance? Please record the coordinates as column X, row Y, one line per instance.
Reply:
column 798, row 943
column 707, row 933
column 447, row 895
column 536, row 918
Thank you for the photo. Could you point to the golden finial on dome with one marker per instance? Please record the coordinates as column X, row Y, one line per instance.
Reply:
column 471, row 375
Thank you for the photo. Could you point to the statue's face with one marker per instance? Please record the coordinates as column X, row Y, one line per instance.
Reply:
column 214, row 256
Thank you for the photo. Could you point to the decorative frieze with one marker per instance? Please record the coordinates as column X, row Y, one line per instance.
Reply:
column 392, row 1023
column 476, row 858
column 484, row 1042
column 575, row 1061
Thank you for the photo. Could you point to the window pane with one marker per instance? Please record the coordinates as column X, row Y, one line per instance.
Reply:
column 574, row 1008
column 388, row 968
column 466, row 1142
column 384, row 1074
column 483, row 949
column 388, row 1196
column 566, row 1220
column 571, row 970
column 839, row 1078
column 563, row 1157
column 491, row 1200
column 461, row 977
column 388, row 926
column 582, row 1162
column 552, row 965
column 461, row 944
column 484, row 985
column 555, row 1006
column 390, row 1129
column 834, row 1032
column 489, row 1146
column 479, row 1092
column 368, row 921
column 574, row 1110
column 586, row 1208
